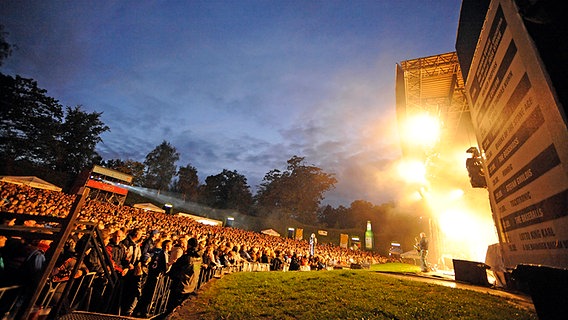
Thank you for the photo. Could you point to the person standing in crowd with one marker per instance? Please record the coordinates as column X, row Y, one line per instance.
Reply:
column 66, row 264
column 423, row 248
column 134, row 279
column 93, row 262
column 133, row 247
column 178, row 249
column 209, row 262
column 294, row 262
column 185, row 275
column 276, row 263
column 265, row 256
column 32, row 270
column 2, row 244
column 117, row 252
column 149, row 245
column 243, row 252
column 158, row 266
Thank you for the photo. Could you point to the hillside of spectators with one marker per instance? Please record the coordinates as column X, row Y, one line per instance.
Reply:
column 24, row 199
column 217, row 246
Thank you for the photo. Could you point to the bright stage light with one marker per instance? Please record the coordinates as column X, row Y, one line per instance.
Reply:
column 456, row 194
column 412, row 171
column 453, row 222
column 422, row 130
column 415, row 196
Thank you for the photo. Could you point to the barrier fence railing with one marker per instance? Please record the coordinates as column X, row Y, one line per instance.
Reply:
column 92, row 292
column 8, row 299
column 86, row 294
column 27, row 301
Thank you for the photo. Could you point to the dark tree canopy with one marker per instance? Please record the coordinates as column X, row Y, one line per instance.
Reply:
column 29, row 121
column 339, row 217
column 297, row 192
column 80, row 133
column 160, row 166
column 227, row 190
column 5, row 46
column 34, row 128
column 131, row 167
column 187, row 183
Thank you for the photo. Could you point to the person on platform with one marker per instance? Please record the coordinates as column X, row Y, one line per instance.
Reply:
column 423, row 250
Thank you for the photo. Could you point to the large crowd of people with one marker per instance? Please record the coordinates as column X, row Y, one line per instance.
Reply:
column 144, row 245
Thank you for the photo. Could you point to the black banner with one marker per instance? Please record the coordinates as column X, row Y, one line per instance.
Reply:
column 534, row 121
column 497, row 81
column 538, row 166
column 548, row 209
column 518, row 95
column 493, row 40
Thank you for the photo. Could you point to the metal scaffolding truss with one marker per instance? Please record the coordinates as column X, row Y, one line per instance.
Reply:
column 435, row 85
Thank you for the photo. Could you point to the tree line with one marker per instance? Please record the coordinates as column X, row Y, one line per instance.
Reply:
column 295, row 192
column 37, row 132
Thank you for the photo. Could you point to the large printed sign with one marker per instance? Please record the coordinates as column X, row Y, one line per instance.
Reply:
column 524, row 140
column 344, row 240
column 299, row 234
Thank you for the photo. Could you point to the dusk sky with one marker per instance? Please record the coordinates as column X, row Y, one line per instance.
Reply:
column 237, row 85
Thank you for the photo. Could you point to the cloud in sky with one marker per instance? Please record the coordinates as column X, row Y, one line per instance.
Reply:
column 238, row 85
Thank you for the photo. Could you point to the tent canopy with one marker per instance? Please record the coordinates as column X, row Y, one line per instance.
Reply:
column 203, row 220
column 149, row 207
column 31, row 181
column 270, row 232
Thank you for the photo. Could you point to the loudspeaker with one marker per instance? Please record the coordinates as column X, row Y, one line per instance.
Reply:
column 471, row 272
column 548, row 288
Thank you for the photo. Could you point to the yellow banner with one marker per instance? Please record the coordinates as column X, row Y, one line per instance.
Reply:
column 299, row 234
column 343, row 240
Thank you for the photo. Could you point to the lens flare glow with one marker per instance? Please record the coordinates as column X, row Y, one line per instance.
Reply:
column 452, row 222
column 464, row 223
column 422, row 130
column 456, row 194
column 412, row 171
column 459, row 219
column 457, row 225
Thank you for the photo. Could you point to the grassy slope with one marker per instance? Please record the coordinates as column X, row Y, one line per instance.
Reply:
column 341, row 294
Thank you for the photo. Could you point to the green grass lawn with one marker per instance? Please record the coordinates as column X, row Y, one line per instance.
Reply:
column 396, row 267
column 342, row 294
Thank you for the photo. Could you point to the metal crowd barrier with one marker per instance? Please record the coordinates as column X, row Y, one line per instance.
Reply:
column 207, row 273
column 8, row 301
column 81, row 291
column 10, row 297
column 161, row 295
column 255, row 266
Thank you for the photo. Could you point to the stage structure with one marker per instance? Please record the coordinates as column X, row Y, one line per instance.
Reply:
column 106, row 185
column 431, row 101
column 513, row 54
column 509, row 89
column 434, row 86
